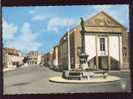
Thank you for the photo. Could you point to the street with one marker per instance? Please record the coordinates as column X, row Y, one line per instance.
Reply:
column 34, row 80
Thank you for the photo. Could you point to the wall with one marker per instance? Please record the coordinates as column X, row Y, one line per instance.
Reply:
column 39, row 59
column 90, row 47
column 102, row 53
column 11, row 58
column 125, row 45
column 55, row 56
column 77, row 43
column 114, row 47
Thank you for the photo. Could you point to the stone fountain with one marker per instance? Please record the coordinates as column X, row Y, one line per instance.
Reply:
column 81, row 73
column 83, row 56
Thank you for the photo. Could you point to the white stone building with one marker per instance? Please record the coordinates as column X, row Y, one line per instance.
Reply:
column 106, row 43
column 55, row 56
column 103, row 42
column 34, row 58
column 12, row 58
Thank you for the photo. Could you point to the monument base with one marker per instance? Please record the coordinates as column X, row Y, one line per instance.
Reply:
column 83, row 61
column 59, row 79
column 74, row 75
column 84, row 66
column 82, row 75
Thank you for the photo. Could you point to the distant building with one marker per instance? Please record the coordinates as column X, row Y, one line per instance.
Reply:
column 55, row 56
column 45, row 59
column 34, row 58
column 12, row 57
column 50, row 59
column 106, row 43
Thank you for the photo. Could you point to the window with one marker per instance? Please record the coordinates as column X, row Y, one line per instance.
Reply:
column 124, row 51
column 125, row 54
column 102, row 44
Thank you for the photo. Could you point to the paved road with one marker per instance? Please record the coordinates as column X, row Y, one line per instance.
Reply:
column 34, row 79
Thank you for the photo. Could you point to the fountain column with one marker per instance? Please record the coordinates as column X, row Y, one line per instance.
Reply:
column 83, row 56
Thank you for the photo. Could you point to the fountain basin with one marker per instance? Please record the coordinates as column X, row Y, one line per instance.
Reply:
column 109, row 78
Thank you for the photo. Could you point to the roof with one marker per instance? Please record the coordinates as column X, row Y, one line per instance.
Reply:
column 11, row 51
column 105, row 15
column 87, row 22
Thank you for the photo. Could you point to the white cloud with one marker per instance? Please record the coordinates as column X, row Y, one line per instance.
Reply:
column 56, row 23
column 27, row 40
column 32, row 11
column 39, row 18
column 9, row 29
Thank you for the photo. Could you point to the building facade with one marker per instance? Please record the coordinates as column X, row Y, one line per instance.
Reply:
column 63, row 50
column 44, row 59
column 48, row 59
column 125, row 49
column 34, row 58
column 106, row 43
column 11, row 58
column 55, row 56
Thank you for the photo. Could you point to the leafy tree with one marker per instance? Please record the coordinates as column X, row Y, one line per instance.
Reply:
column 25, row 59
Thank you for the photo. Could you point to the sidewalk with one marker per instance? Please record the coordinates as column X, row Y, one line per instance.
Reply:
column 13, row 68
column 119, row 71
column 9, row 69
column 59, row 79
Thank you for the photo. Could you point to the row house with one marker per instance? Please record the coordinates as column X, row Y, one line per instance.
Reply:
column 55, row 56
column 47, row 59
column 12, row 57
column 63, row 51
column 75, row 44
column 50, row 59
column 43, row 59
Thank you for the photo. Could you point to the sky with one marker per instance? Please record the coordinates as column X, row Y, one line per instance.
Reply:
column 41, row 27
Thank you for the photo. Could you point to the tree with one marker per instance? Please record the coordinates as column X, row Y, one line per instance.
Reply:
column 25, row 59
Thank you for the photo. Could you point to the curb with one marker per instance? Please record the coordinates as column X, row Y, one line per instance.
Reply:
column 59, row 79
column 8, row 69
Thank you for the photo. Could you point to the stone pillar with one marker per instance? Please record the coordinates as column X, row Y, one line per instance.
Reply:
column 109, row 62
column 96, row 52
column 83, row 56
column 82, row 36
column 120, row 52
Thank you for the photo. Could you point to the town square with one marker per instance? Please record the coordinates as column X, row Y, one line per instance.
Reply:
column 54, row 50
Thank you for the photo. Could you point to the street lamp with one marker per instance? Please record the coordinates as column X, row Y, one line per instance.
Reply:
column 68, row 44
